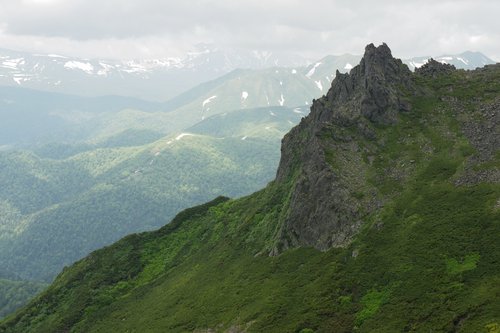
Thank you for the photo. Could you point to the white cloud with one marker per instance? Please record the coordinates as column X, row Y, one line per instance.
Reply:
column 142, row 28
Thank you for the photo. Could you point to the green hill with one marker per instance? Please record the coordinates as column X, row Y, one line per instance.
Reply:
column 384, row 217
column 57, row 211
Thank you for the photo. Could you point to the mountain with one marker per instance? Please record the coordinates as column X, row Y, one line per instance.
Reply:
column 55, row 211
column 57, row 203
column 165, row 78
column 153, row 79
column 32, row 118
column 383, row 217
column 466, row 60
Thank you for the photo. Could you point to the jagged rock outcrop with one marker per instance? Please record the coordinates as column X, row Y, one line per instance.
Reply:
column 324, row 211
column 434, row 68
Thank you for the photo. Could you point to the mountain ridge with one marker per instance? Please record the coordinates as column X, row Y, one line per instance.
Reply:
column 424, row 257
column 163, row 79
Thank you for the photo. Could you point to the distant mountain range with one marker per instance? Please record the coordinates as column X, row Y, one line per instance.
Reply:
column 466, row 60
column 155, row 79
column 162, row 79
column 57, row 110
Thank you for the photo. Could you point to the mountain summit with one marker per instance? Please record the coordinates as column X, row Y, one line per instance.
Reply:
column 383, row 218
column 323, row 212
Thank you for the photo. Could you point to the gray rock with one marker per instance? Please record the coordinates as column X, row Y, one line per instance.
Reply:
column 434, row 68
column 324, row 211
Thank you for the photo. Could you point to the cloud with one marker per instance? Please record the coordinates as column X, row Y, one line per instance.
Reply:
column 138, row 28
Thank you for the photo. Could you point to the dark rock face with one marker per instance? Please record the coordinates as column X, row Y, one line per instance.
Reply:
column 323, row 212
column 484, row 135
column 434, row 68
column 370, row 89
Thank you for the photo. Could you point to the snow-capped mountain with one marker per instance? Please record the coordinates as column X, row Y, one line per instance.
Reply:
column 155, row 79
column 465, row 60
column 162, row 79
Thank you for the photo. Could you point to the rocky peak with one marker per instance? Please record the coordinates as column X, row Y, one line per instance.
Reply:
column 324, row 211
column 435, row 68
column 369, row 90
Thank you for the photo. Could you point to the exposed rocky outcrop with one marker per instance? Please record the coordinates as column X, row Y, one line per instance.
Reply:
column 434, row 68
column 324, row 211
column 484, row 136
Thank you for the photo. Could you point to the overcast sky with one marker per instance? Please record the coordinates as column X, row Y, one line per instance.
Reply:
column 314, row 28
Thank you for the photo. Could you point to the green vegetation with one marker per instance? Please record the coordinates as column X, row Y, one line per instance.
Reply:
column 425, row 260
column 371, row 302
column 65, row 201
column 53, row 212
column 14, row 294
column 467, row 264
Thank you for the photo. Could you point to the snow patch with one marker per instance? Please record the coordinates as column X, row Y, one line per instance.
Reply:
column 105, row 69
column 294, row 71
column 84, row 66
column 180, row 136
column 282, row 100
column 56, row 56
column 297, row 110
column 208, row 100
column 281, row 83
column 348, row 66
column 19, row 78
column 134, row 67
column 244, row 138
column 13, row 63
column 319, row 85
column 272, row 113
column 244, row 96
column 463, row 60
column 312, row 70
column 417, row 64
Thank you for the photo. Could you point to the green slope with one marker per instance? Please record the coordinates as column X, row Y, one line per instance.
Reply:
column 424, row 259
column 53, row 212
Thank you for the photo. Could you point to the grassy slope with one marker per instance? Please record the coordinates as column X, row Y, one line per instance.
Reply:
column 426, row 261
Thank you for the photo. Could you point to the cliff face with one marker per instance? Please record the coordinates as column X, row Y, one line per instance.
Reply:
column 325, row 208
